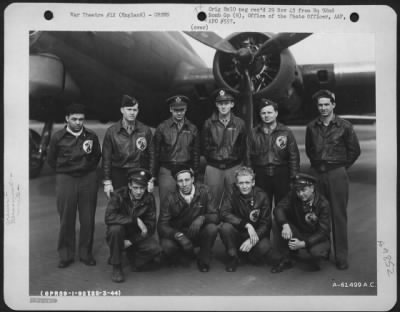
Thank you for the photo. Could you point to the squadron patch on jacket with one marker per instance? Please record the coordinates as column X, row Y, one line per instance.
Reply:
column 87, row 146
column 311, row 218
column 254, row 215
column 141, row 143
column 281, row 141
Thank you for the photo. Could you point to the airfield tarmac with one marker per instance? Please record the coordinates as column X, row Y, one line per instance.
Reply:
column 188, row 281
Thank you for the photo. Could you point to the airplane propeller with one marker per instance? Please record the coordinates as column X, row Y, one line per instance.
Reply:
column 248, row 63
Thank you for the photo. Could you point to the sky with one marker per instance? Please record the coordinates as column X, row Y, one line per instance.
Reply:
column 319, row 48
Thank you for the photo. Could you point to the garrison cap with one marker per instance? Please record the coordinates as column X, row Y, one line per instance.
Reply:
column 181, row 168
column 303, row 179
column 223, row 95
column 139, row 175
column 178, row 101
column 128, row 101
column 265, row 102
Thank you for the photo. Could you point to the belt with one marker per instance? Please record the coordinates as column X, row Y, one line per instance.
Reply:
column 223, row 164
column 326, row 166
column 172, row 165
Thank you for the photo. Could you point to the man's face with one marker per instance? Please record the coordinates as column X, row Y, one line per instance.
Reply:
column 75, row 121
column 305, row 193
column 224, row 107
column 325, row 106
column 185, row 182
column 129, row 113
column 178, row 113
column 245, row 184
column 268, row 114
column 136, row 190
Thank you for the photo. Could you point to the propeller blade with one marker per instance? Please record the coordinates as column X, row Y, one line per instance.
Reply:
column 280, row 42
column 248, row 100
column 212, row 40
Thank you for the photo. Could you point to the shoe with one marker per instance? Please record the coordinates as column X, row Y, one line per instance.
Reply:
column 342, row 265
column 65, row 263
column 117, row 275
column 232, row 264
column 283, row 265
column 89, row 261
column 203, row 267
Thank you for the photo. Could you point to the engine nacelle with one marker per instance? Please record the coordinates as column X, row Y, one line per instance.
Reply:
column 274, row 76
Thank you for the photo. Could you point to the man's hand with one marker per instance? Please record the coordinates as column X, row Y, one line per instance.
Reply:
column 185, row 243
column 295, row 244
column 108, row 188
column 195, row 226
column 252, row 233
column 150, row 185
column 142, row 227
column 286, row 231
column 246, row 246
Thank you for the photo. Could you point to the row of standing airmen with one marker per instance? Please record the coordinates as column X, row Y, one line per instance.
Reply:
column 131, row 155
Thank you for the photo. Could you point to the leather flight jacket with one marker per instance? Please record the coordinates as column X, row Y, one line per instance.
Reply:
column 291, row 210
column 238, row 210
column 174, row 147
column 333, row 146
column 268, row 151
column 176, row 215
column 123, row 150
column 122, row 210
column 224, row 147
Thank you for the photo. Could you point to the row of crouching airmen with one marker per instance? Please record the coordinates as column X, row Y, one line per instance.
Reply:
column 246, row 175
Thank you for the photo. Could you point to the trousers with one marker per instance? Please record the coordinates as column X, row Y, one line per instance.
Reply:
column 205, row 240
column 334, row 185
column 319, row 250
column 277, row 185
column 76, row 194
column 143, row 250
column 166, row 182
column 217, row 180
column 261, row 252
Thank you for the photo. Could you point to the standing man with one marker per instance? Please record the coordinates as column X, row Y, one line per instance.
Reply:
column 332, row 147
column 246, row 217
column 187, row 219
column 304, row 222
column 74, row 153
column 177, row 142
column 223, row 145
column 273, row 153
column 127, row 144
column 131, row 215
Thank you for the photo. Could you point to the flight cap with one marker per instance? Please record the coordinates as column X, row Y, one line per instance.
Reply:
column 128, row 101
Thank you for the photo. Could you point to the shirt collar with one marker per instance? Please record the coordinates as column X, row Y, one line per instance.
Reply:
column 172, row 122
column 125, row 124
column 214, row 117
column 335, row 120
column 188, row 198
column 75, row 134
column 279, row 126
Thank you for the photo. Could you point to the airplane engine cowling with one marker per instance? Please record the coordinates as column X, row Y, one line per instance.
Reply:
column 272, row 75
column 48, row 78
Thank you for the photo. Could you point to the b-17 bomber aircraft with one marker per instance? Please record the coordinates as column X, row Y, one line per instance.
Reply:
column 97, row 68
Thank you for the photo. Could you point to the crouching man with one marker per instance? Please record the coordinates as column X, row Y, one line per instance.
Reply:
column 304, row 221
column 246, row 216
column 131, row 220
column 187, row 219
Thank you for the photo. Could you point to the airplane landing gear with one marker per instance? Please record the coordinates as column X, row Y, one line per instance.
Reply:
column 37, row 148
